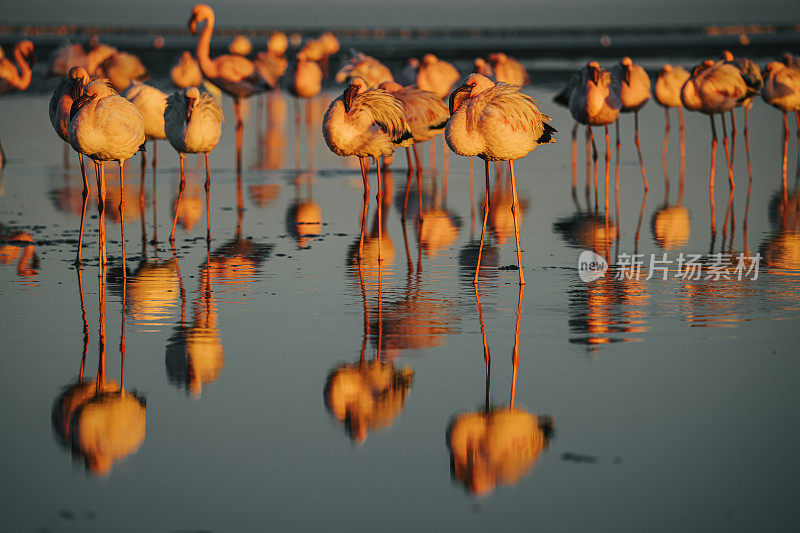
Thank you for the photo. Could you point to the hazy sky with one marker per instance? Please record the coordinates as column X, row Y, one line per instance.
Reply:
column 321, row 13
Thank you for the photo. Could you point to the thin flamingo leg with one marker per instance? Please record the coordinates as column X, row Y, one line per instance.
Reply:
column 639, row 149
column 594, row 159
column 363, row 162
column 733, row 136
column 485, row 218
column 727, row 155
column 101, row 203
column 747, row 142
column 408, row 181
column 122, row 215
column 608, row 167
column 683, row 153
column 178, row 201
column 574, row 160
column 208, row 202
column 515, row 353
column 664, row 152
column 419, row 184
column 85, row 197
column 785, row 155
column 711, row 175
column 379, row 199
column 515, row 214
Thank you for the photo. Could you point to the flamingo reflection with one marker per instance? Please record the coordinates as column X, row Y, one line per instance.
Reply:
column 98, row 419
column 304, row 216
column 497, row 445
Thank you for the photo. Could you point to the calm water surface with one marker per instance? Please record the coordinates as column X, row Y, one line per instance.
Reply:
column 271, row 383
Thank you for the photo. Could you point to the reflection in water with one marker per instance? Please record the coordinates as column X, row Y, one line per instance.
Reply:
column 18, row 246
column 271, row 151
column 194, row 352
column 438, row 227
column 781, row 250
column 496, row 445
column 152, row 292
column 304, row 216
column 501, row 219
column 368, row 395
column 237, row 263
column 98, row 419
column 671, row 226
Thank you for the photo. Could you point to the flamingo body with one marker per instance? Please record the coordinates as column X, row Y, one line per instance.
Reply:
column 634, row 84
column 17, row 76
column 186, row 73
column 151, row 103
column 594, row 98
column 668, row 85
column 193, row 121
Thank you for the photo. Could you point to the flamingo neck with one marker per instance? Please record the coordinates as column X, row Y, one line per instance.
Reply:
column 204, row 49
column 690, row 97
column 24, row 71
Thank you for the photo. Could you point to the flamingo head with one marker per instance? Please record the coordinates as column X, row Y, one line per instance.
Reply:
column 429, row 59
column 25, row 48
column 200, row 13
column 480, row 62
column 357, row 86
column 79, row 78
column 472, row 86
column 627, row 64
column 666, row 68
column 413, row 62
column 498, row 57
column 594, row 71
column 95, row 89
column 192, row 94
column 773, row 67
column 727, row 55
column 330, row 43
column 390, row 86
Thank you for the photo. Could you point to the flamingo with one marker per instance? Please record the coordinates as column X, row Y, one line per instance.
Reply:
column 366, row 123
column 595, row 101
column 186, row 73
column 714, row 88
column 496, row 122
column 235, row 75
column 426, row 115
column 365, row 67
column 782, row 90
column 240, row 45
column 305, row 81
column 69, row 90
column 508, row 70
column 272, row 64
column 16, row 77
column 668, row 95
column 561, row 98
column 74, row 55
column 106, row 127
column 751, row 74
column 151, row 103
column 634, row 84
column 193, row 125
column 121, row 69
column 440, row 78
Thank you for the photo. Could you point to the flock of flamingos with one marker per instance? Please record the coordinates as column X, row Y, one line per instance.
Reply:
column 103, row 110
column 105, row 113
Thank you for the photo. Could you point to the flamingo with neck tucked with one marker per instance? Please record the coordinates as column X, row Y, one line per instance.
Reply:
column 366, row 123
column 496, row 122
column 69, row 90
column 634, row 84
column 193, row 125
column 668, row 95
column 186, row 73
column 233, row 74
column 16, row 77
column 782, row 90
column 106, row 127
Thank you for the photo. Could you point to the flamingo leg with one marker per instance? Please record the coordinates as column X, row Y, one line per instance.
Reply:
column 515, row 214
column 155, row 154
column 237, row 106
column 711, row 174
column 85, row 197
column 309, row 116
column 122, row 215
column 445, row 158
column 594, row 159
column 515, row 353
column 485, row 217
column 178, row 201
column 588, row 163
column 408, row 182
column 470, row 173
column 363, row 162
column 296, row 134
column 785, row 155
column 664, row 152
column 608, row 166
column 101, row 205
column 433, row 155
column 208, row 203
column 733, row 136
column 797, row 118
column 379, row 199
column 574, row 160
column 155, row 202
column 419, row 183
column 727, row 156
column 639, row 224
column 639, row 149
column 683, row 153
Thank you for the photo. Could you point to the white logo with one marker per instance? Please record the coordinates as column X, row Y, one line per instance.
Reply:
column 591, row 266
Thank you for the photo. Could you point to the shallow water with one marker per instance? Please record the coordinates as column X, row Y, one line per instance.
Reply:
column 271, row 383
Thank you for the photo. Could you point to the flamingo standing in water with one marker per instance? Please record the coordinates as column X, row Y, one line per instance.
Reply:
column 634, row 91
column 366, row 123
column 782, row 90
column 595, row 101
column 714, row 88
column 426, row 115
column 193, row 124
column 751, row 74
column 16, row 77
column 440, row 78
column 668, row 95
column 151, row 103
column 496, row 122
column 305, row 81
column 122, row 69
column 233, row 74
column 272, row 64
column 69, row 90
column 106, row 127
column 186, row 73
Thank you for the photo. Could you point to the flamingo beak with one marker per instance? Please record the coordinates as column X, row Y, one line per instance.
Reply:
column 77, row 104
column 595, row 75
column 192, row 25
column 348, row 96
column 627, row 74
column 189, row 108
column 77, row 89
column 465, row 88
